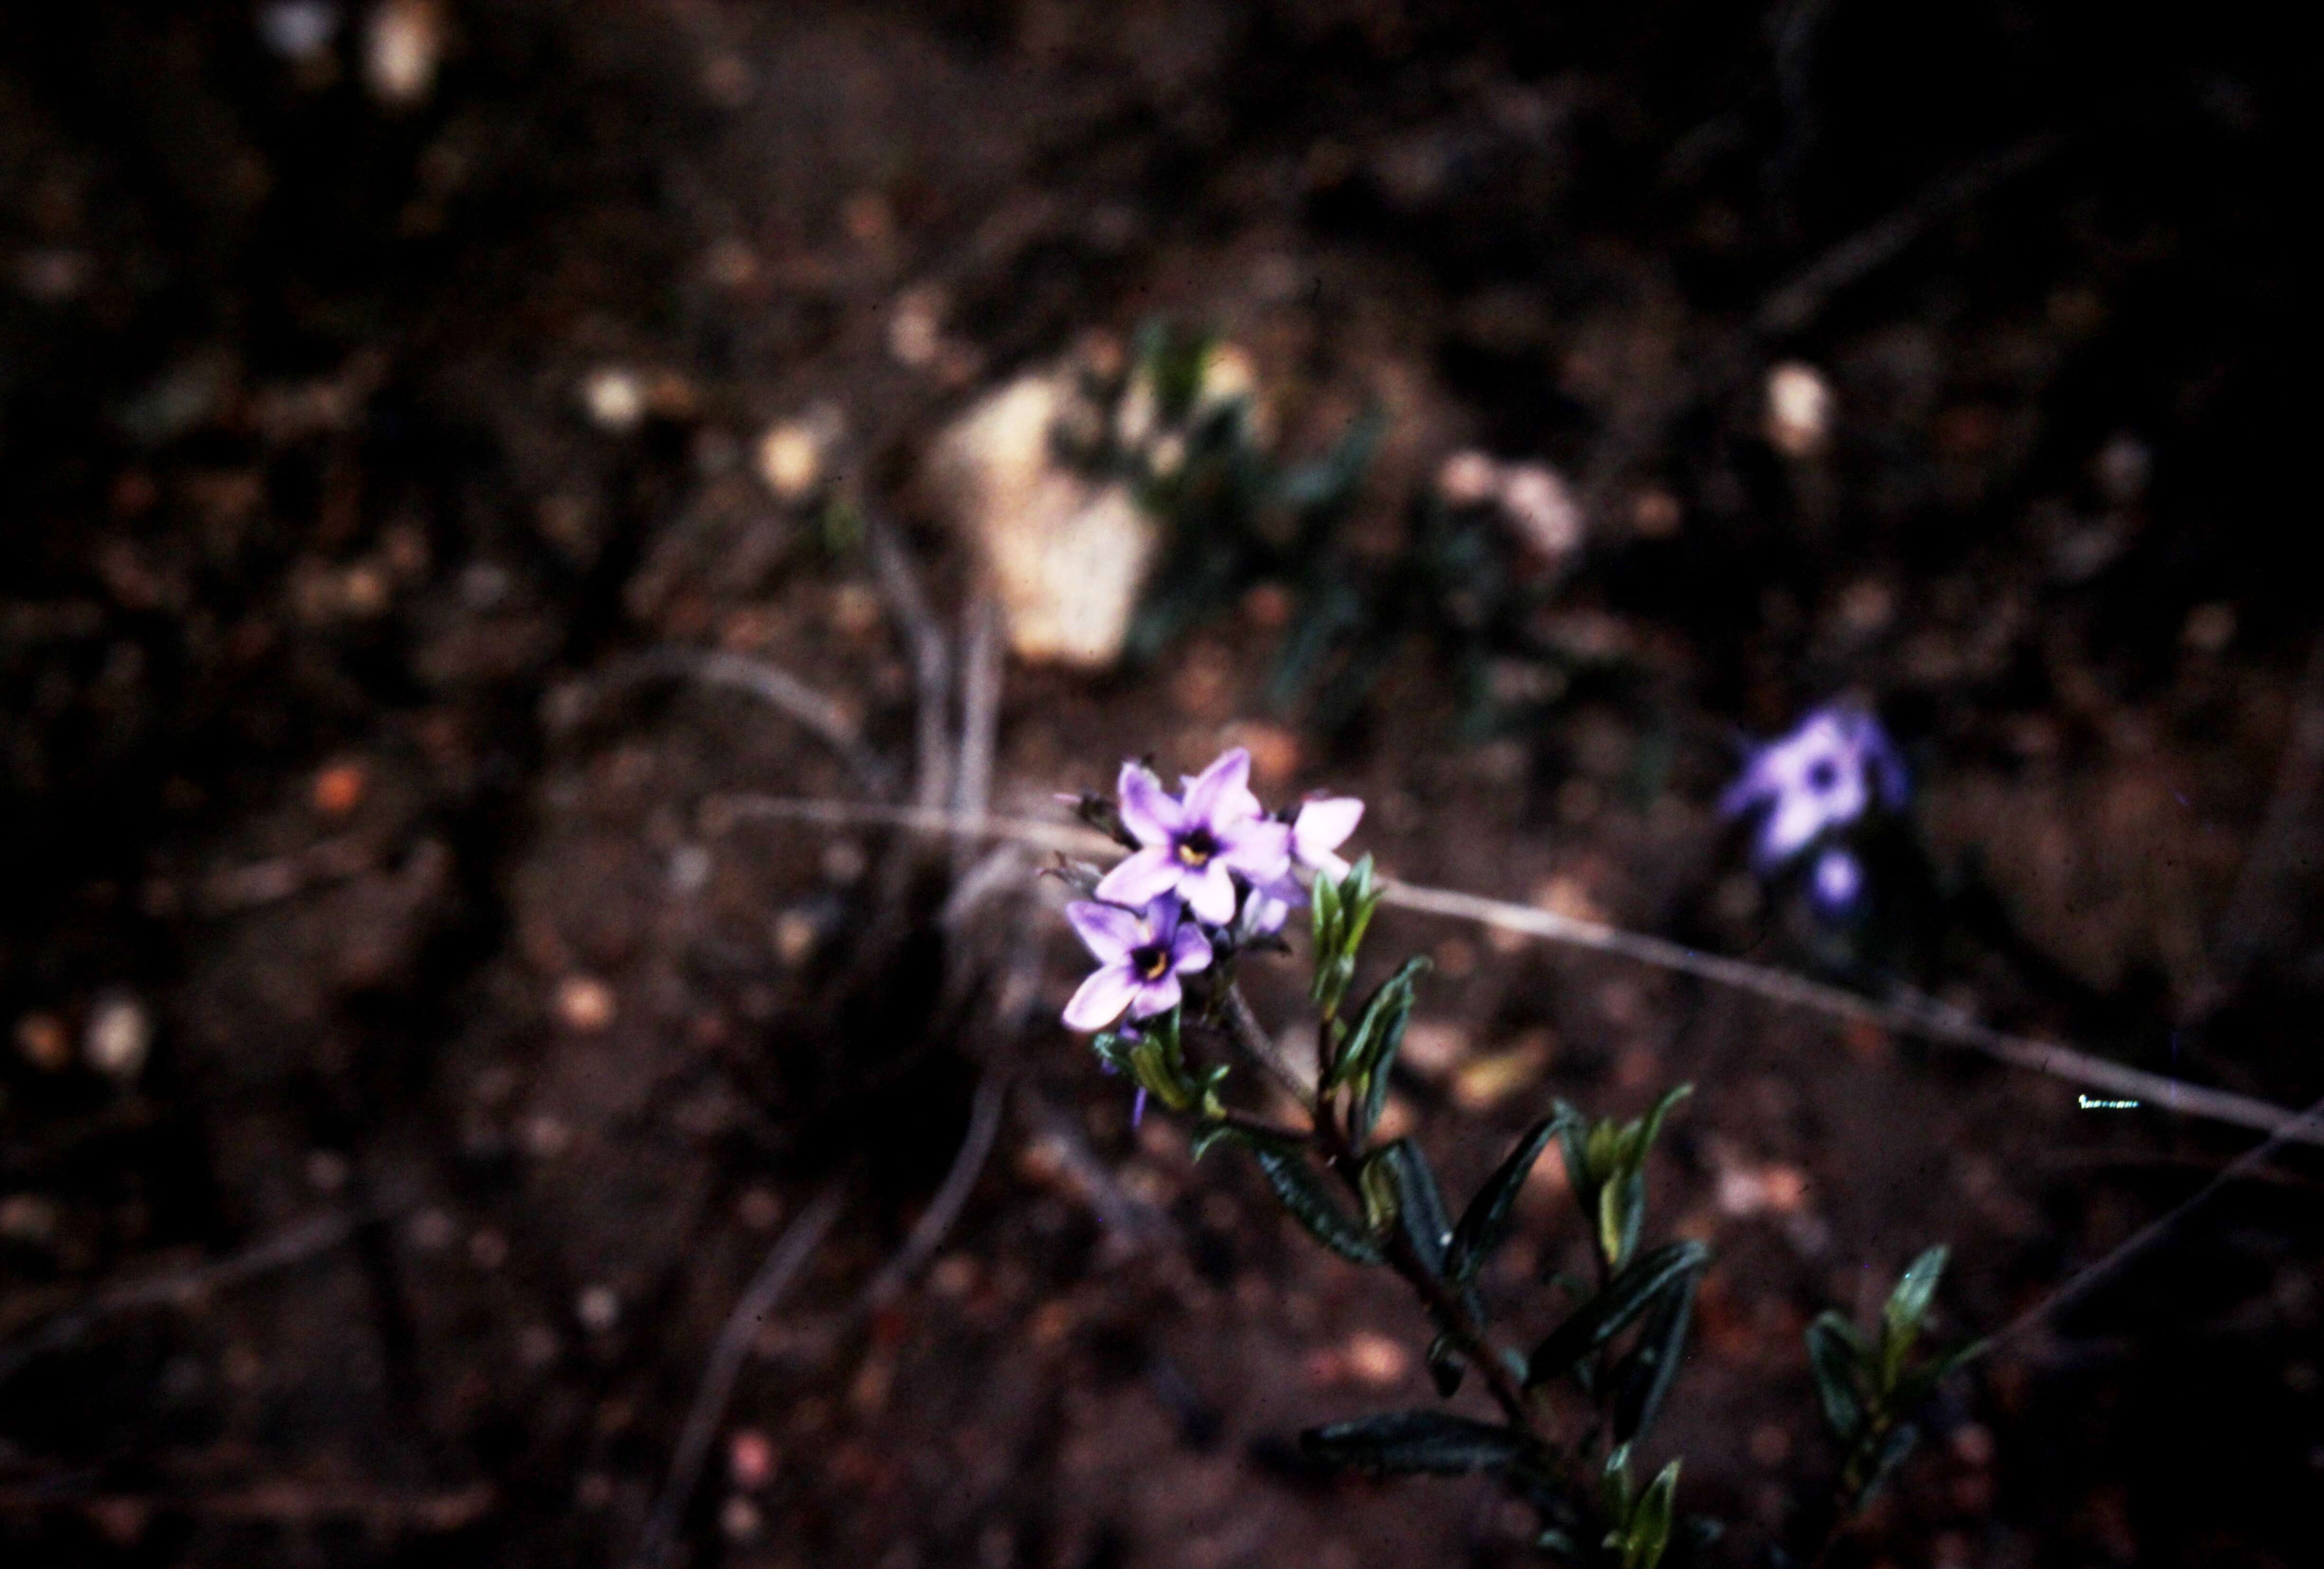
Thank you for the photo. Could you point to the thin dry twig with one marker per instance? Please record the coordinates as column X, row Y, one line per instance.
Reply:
column 980, row 717
column 178, row 1288
column 784, row 1263
column 1921, row 1017
column 2305, row 1126
column 931, row 656
column 936, row 1221
column 1800, row 300
column 825, row 717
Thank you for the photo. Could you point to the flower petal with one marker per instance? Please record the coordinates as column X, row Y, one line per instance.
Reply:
column 1260, row 848
column 1190, row 950
column 1142, row 878
column 1323, row 826
column 1209, row 892
column 1107, row 930
column 1157, row 996
column 1148, row 810
column 1102, row 997
column 1225, row 783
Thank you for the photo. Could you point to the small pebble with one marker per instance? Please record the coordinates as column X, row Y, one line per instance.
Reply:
column 1469, row 479
column 430, row 1231
column 794, row 939
column 403, row 47
column 790, row 461
column 1375, row 1359
column 598, row 1308
column 298, row 29
column 328, row 1170
column 1542, row 508
column 28, row 1218
column 536, row 1345
column 339, row 788
column 751, row 1458
column 614, row 398
column 740, row 1518
column 1799, row 410
column 585, row 1003
column 758, row 1209
column 42, row 1041
column 120, row 1034
column 488, row 1249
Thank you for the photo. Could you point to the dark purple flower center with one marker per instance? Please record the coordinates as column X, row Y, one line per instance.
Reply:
column 1196, row 849
column 1822, row 775
column 1152, row 962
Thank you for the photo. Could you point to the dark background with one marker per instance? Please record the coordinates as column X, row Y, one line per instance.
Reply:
column 317, row 584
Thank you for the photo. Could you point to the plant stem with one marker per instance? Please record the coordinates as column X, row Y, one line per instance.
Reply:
column 1444, row 1303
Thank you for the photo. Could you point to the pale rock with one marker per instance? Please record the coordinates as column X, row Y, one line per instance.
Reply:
column 1067, row 556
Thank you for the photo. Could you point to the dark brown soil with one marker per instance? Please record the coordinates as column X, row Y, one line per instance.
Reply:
column 335, row 745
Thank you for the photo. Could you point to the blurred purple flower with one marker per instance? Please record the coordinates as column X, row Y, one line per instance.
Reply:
column 1192, row 845
column 1823, row 776
column 1140, row 960
column 1836, row 883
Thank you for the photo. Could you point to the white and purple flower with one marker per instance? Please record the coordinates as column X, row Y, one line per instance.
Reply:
column 1191, row 846
column 1825, row 774
column 1141, row 957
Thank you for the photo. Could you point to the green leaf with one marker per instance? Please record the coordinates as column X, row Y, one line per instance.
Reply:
column 1380, row 1029
column 1485, row 1223
column 1892, row 1451
column 1403, row 1441
column 1650, row 1523
column 1420, row 1203
column 1652, row 1123
column 1614, row 1489
column 1303, row 1193
column 1446, row 1365
column 1835, row 1354
column 1613, row 1225
column 1908, row 1304
column 1613, row 1310
column 1646, row 1375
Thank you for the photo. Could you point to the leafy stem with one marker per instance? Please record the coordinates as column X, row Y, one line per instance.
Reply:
column 1345, row 1157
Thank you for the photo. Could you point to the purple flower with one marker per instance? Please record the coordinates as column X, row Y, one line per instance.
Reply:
column 1193, row 846
column 1836, row 883
column 1322, row 826
column 1823, row 776
column 1140, row 960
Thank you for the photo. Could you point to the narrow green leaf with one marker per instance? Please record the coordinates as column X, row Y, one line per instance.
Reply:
column 1485, row 1223
column 1646, row 1375
column 1375, row 1181
column 1205, row 1135
column 1652, row 1127
column 1613, row 1225
column 1303, row 1193
column 1613, row 1310
column 1650, row 1523
column 1834, row 1357
column 1420, row 1203
column 1908, row 1304
column 1414, row 1441
column 1614, row 1487
column 1373, row 1045
column 1892, row 1451
column 1918, row 1386
column 1360, row 896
